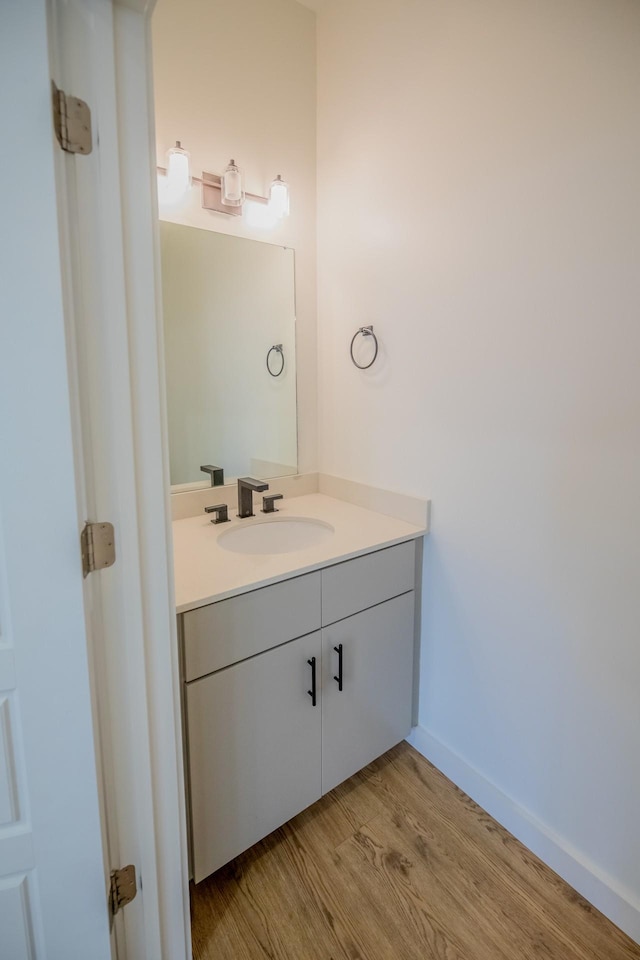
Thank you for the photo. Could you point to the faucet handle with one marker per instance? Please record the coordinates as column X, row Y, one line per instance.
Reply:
column 268, row 503
column 221, row 511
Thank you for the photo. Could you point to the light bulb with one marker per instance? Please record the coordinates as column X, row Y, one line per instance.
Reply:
column 232, row 192
column 178, row 171
column 279, row 198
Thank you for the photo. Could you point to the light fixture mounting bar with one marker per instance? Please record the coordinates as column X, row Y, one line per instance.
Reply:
column 212, row 195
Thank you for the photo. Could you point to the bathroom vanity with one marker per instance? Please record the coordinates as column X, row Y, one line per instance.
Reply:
column 297, row 667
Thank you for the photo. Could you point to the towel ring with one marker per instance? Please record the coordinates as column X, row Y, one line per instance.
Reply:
column 278, row 349
column 366, row 332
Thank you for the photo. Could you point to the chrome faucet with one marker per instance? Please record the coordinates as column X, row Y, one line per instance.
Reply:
column 247, row 486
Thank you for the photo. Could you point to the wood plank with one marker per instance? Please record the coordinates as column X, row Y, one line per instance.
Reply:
column 480, row 913
column 407, row 774
column 257, row 907
column 386, row 882
column 396, row 864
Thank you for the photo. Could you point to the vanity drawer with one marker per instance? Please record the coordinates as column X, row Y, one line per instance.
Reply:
column 360, row 583
column 230, row 630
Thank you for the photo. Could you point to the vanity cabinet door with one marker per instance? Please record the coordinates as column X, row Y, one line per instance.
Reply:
column 254, row 745
column 372, row 712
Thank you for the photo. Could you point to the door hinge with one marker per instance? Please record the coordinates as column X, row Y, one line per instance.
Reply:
column 123, row 888
column 72, row 122
column 98, row 547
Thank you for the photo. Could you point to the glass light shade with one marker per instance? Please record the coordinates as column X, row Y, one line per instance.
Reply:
column 232, row 191
column 279, row 198
column 178, row 170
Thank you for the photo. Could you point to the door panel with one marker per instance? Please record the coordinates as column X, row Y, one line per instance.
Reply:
column 18, row 942
column 373, row 710
column 16, row 840
column 9, row 811
column 254, row 750
column 49, row 808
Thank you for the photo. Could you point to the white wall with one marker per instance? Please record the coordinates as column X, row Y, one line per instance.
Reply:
column 241, row 83
column 479, row 203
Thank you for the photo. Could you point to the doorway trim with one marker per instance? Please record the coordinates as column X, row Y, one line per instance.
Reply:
column 136, row 147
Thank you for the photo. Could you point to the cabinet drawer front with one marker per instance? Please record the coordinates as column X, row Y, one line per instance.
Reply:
column 254, row 751
column 231, row 630
column 357, row 584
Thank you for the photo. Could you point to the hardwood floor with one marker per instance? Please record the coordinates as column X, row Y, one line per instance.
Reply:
column 396, row 864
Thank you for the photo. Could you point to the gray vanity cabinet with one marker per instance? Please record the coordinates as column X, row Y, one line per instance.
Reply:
column 367, row 658
column 259, row 750
column 372, row 711
column 254, row 742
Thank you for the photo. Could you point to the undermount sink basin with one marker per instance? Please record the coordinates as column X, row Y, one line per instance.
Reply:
column 280, row 535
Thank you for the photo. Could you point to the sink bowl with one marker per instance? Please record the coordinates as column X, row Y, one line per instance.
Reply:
column 280, row 535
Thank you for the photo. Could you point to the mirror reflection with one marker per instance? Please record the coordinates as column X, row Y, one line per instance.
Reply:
column 229, row 327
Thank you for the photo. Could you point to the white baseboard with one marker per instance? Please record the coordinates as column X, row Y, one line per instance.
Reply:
column 600, row 889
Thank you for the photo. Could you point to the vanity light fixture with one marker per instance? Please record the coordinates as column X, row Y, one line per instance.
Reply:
column 222, row 194
column 259, row 212
column 226, row 194
column 279, row 197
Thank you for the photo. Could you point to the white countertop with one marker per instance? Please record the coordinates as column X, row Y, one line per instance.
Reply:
column 205, row 572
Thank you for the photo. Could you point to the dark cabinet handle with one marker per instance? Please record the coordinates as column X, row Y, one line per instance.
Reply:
column 338, row 679
column 312, row 692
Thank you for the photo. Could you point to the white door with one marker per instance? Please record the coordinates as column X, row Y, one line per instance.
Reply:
column 93, row 275
column 52, row 889
column 75, row 443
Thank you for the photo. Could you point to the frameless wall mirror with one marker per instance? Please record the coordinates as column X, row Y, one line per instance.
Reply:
column 229, row 326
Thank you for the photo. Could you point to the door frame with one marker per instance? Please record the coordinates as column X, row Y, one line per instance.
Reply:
column 122, row 434
column 137, row 154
